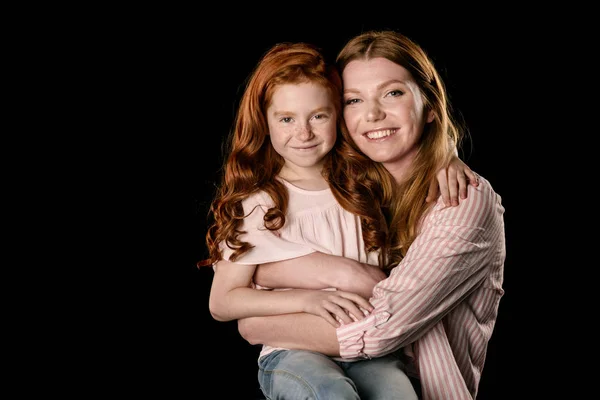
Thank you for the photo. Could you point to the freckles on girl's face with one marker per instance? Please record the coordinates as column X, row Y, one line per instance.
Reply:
column 302, row 124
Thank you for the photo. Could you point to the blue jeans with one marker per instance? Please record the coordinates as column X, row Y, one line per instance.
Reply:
column 306, row 375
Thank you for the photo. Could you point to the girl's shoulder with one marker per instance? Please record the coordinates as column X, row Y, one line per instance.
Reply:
column 258, row 199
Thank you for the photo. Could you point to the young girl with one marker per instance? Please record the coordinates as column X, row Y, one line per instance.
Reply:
column 275, row 203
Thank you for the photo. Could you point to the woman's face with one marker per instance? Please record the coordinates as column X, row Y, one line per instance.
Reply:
column 384, row 111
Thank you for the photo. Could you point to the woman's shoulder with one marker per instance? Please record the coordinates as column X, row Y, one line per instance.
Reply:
column 484, row 191
column 482, row 202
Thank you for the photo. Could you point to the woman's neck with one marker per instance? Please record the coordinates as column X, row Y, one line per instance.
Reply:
column 400, row 172
column 401, row 168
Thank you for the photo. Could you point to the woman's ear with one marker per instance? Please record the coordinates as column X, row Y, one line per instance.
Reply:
column 430, row 115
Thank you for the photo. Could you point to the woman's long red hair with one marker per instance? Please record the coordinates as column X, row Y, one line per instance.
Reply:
column 404, row 204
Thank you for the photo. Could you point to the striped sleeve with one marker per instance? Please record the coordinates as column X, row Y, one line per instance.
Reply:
column 448, row 260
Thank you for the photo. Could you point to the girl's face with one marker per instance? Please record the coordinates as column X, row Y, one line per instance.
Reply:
column 384, row 111
column 302, row 125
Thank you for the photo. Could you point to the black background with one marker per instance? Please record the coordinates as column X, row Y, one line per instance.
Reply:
column 120, row 112
column 187, row 88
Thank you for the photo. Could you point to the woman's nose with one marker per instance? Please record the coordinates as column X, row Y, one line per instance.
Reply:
column 375, row 112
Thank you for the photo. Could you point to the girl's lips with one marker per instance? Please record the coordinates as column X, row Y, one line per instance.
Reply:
column 305, row 148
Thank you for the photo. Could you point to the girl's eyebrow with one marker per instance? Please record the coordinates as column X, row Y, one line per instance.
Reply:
column 318, row 110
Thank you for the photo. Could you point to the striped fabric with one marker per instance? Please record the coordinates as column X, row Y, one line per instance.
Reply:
column 441, row 302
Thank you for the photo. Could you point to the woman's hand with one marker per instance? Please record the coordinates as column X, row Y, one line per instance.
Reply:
column 355, row 277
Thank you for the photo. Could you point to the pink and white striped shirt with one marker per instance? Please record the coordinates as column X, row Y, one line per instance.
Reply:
column 441, row 302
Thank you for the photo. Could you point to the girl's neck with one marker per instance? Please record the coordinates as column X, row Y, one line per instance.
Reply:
column 304, row 178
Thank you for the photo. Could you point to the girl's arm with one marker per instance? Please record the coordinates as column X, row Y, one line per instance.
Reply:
column 232, row 297
column 318, row 271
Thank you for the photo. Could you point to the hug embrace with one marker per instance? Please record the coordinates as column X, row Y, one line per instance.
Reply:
column 347, row 237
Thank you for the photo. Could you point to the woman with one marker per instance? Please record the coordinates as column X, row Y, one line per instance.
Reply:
column 440, row 301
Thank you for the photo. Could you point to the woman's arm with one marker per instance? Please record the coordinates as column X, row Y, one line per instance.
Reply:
column 291, row 331
column 232, row 297
column 318, row 271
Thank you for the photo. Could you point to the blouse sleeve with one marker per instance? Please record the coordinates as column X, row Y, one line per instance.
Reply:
column 268, row 246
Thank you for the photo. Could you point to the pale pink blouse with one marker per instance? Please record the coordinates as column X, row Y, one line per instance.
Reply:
column 314, row 222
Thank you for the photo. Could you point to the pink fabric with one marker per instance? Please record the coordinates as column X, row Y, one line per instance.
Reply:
column 441, row 302
column 315, row 222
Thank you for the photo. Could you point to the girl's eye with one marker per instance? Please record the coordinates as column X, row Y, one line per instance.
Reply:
column 286, row 119
column 351, row 101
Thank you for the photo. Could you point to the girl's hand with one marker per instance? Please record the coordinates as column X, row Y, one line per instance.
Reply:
column 452, row 182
